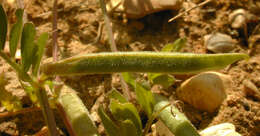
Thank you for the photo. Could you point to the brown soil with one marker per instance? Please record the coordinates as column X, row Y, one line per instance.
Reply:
column 78, row 24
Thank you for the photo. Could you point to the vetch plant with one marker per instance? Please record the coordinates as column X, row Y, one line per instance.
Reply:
column 123, row 113
column 31, row 52
column 122, row 118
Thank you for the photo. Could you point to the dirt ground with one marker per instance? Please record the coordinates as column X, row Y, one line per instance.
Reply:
column 78, row 24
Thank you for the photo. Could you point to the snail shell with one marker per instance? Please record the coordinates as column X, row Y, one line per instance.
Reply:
column 219, row 43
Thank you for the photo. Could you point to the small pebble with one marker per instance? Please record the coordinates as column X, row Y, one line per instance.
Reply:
column 224, row 129
column 250, row 89
column 219, row 43
column 238, row 18
column 205, row 91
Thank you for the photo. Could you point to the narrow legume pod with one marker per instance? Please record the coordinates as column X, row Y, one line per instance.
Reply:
column 176, row 121
column 163, row 62
column 78, row 115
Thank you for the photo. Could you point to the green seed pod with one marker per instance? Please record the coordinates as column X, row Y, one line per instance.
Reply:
column 77, row 113
column 157, row 62
column 176, row 121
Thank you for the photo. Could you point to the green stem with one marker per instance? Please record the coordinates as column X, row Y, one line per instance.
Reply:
column 10, row 62
column 108, row 26
column 47, row 112
column 42, row 96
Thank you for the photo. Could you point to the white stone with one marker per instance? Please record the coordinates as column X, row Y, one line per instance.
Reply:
column 224, row 129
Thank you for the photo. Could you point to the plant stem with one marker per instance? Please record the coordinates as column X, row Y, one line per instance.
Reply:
column 42, row 96
column 57, row 78
column 112, row 42
column 47, row 112
column 108, row 26
column 54, row 34
column 16, row 67
column 10, row 62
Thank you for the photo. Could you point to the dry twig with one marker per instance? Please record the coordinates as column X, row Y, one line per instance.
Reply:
column 188, row 10
column 22, row 111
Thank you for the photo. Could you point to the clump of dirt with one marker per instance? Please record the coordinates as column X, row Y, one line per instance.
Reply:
column 78, row 25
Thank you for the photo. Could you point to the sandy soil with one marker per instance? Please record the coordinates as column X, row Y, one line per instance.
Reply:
column 78, row 24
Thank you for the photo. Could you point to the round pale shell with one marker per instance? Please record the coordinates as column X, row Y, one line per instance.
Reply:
column 205, row 91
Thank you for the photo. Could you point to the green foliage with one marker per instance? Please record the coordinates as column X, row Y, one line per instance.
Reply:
column 7, row 99
column 176, row 46
column 111, row 128
column 27, row 45
column 114, row 94
column 144, row 96
column 30, row 92
column 128, row 128
column 126, row 111
column 16, row 32
column 124, row 120
column 40, row 44
column 3, row 27
column 162, row 79
column 31, row 55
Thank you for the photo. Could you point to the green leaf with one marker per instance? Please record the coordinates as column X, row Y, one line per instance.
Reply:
column 176, row 121
column 176, row 46
column 50, row 84
column 27, row 45
column 126, row 111
column 144, row 97
column 41, row 42
column 7, row 99
column 128, row 128
column 114, row 94
column 16, row 32
column 3, row 27
column 109, row 125
column 77, row 113
column 30, row 91
column 162, row 79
